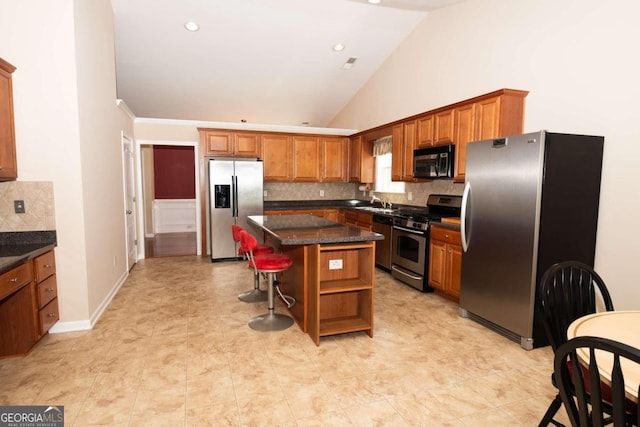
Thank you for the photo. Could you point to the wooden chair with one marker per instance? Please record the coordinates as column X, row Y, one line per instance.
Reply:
column 568, row 290
column 585, row 396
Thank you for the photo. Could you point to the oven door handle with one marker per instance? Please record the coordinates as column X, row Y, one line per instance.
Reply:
column 408, row 230
column 393, row 267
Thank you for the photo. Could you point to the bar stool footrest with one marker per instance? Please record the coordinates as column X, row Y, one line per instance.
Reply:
column 254, row 295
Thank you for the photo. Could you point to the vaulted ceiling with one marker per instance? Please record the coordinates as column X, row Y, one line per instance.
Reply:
column 262, row 61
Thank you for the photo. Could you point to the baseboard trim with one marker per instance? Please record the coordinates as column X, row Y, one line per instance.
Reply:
column 85, row 325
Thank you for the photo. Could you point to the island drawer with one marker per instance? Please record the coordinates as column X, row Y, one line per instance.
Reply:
column 14, row 279
column 47, row 291
column 45, row 265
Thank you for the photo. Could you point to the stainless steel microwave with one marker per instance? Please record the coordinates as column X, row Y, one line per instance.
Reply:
column 434, row 162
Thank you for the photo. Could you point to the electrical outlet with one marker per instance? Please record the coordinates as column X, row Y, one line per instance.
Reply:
column 410, row 195
column 335, row 264
column 265, row 194
column 18, row 206
column 321, row 193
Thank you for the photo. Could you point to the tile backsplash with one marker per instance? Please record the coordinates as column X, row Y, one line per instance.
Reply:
column 38, row 202
column 338, row 191
column 277, row 191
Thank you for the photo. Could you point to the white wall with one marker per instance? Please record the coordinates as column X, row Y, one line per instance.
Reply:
column 68, row 132
column 578, row 59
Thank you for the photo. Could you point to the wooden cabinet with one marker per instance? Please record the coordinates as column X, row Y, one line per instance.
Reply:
column 28, row 304
column 409, row 144
column 306, row 159
column 17, row 321
column 497, row 115
column 330, row 214
column 464, row 132
column 397, row 152
column 361, row 161
column 277, row 157
column 404, row 142
column 335, row 159
column 46, row 290
column 443, row 127
column 361, row 220
column 425, row 131
column 445, row 260
column 8, row 164
column 230, row 144
column 341, row 289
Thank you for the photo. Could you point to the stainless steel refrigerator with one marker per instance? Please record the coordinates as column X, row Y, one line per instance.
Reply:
column 235, row 192
column 529, row 201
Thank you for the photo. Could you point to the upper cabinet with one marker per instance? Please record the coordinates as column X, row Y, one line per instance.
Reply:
column 409, row 144
column 405, row 136
column 443, row 128
column 277, row 156
column 8, row 164
column 361, row 162
column 229, row 143
column 493, row 116
column 335, row 159
column 306, row 158
column 425, row 131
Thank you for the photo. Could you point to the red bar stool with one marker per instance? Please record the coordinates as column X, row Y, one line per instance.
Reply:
column 256, row 294
column 268, row 264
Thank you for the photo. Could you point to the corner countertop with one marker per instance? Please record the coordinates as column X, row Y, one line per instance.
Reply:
column 310, row 230
column 19, row 247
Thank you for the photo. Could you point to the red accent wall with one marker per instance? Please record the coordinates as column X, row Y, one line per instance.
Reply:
column 174, row 172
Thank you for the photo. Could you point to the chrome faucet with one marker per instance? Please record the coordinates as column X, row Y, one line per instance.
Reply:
column 384, row 204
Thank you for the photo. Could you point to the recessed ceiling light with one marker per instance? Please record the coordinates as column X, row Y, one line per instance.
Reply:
column 191, row 26
column 375, row 1
column 338, row 47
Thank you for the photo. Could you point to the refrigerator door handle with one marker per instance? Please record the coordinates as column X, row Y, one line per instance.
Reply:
column 234, row 190
column 463, row 216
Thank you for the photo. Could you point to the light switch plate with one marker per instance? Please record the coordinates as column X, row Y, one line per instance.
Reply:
column 335, row 264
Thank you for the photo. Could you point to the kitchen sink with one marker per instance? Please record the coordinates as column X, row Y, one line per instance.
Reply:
column 376, row 210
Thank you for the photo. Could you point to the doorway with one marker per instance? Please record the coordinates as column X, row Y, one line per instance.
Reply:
column 169, row 199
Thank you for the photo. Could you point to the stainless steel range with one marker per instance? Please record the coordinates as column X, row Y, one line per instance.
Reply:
column 410, row 246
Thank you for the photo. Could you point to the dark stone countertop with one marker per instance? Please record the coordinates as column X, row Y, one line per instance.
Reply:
column 309, row 230
column 18, row 247
column 314, row 204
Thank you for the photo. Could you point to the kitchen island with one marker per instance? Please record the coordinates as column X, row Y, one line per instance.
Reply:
column 332, row 275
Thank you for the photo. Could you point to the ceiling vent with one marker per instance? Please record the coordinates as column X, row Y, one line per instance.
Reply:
column 347, row 65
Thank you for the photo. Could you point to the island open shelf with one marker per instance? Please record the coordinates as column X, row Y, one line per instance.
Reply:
column 341, row 289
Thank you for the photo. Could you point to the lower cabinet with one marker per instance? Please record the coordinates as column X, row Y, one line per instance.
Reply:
column 47, row 291
column 330, row 214
column 341, row 289
column 28, row 304
column 361, row 220
column 445, row 260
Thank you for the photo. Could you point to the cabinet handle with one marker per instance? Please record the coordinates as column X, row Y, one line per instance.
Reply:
column 449, row 250
column 51, row 315
column 48, row 265
column 13, row 279
column 446, row 235
column 49, row 289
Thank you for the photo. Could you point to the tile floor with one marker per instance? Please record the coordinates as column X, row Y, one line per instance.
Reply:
column 174, row 348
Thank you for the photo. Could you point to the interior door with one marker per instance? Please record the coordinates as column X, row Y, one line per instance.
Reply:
column 129, row 201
